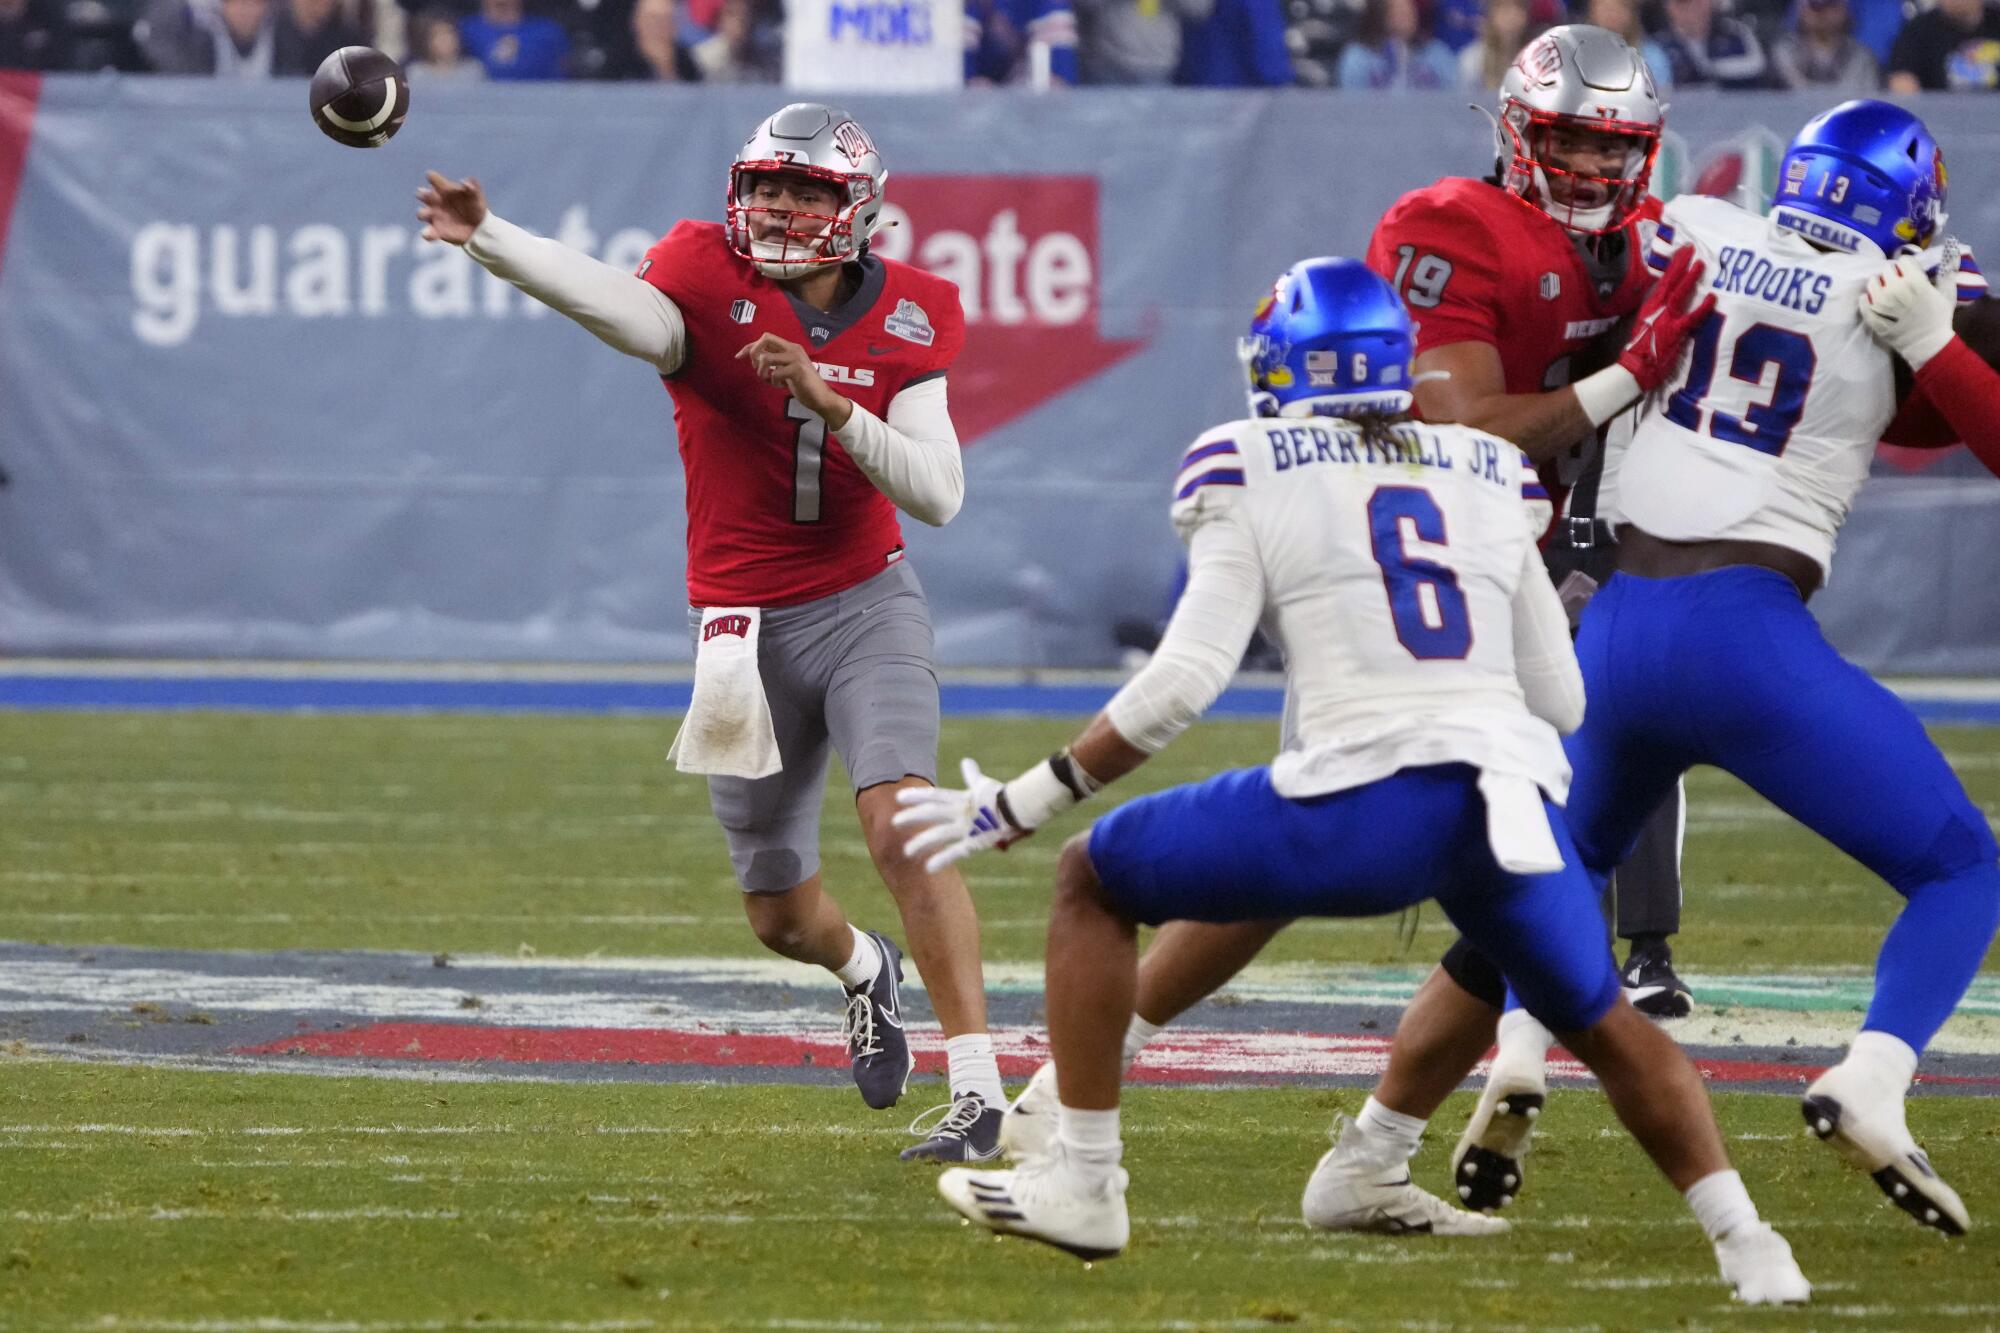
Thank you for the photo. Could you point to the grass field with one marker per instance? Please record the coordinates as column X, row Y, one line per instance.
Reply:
column 193, row 1202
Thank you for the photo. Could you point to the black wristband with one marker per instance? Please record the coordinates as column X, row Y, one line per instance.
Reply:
column 1065, row 770
column 1007, row 811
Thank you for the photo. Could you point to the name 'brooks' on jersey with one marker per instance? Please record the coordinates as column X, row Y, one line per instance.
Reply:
column 1391, row 568
column 1769, row 435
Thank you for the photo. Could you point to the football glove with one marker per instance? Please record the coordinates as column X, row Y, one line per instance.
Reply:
column 1904, row 309
column 954, row 824
column 1665, row 321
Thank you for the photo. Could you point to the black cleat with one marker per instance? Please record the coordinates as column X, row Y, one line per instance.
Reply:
column 1652, row 985
column 874, row 1031
column 969, row 1131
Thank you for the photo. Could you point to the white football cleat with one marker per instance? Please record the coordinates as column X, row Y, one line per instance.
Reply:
column 1045, row 1199
column 1757, row 1264
column 1486, row 1164
column 1863, row 1122
column 1347, row 1192
column 1029, row 1127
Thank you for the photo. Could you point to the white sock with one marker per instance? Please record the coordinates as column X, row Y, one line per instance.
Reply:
column 1137, row 1034
column 1721, row 1204
column 1391, row 1136
column 1090, row 1140
column 971, row 1067
column 1523, row 1040
column 1887, row 1060
column 863, row 965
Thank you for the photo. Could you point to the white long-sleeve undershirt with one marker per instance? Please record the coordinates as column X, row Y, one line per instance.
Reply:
column 1544, row 659
column 1205, row 640
column 912, row 457
column 625, row 311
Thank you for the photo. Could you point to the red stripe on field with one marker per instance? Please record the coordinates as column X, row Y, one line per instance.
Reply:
column 633, row 1046
column 1177, row 1058
column 19, row 91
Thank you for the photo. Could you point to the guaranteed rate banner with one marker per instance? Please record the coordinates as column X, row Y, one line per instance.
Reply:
column 246, row 411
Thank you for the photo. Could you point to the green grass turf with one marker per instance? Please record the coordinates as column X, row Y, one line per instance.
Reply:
column 719, row 1207
column 572, row 836
column 359, row 1205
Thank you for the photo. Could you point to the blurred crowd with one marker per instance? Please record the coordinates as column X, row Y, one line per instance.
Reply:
column 1841, row 46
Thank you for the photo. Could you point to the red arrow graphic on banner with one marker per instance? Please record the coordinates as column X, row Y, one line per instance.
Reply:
column 1024, row 253
column 18, row 94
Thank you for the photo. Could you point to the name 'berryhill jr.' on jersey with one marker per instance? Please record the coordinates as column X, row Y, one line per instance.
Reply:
column 1428, row 676
column 808, row 384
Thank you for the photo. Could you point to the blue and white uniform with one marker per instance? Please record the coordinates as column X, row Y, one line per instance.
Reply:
column 1429, row 671
column 1767, row 438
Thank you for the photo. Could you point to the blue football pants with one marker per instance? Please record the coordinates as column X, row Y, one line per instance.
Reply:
column 1729, row 668
column 1232, row 849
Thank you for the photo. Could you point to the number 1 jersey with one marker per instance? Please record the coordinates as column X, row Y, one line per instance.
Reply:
column 1768, row 433
column 777, row 513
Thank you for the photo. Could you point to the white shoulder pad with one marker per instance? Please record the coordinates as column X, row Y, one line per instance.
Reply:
column 1682, row 222
column 1211, row 478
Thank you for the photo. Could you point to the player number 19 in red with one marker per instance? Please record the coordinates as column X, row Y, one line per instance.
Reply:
column 1427, row 274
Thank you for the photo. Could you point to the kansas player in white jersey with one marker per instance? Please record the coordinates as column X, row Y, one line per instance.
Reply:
column 1769, row 434
column 1728, row 499
column 1429, row 673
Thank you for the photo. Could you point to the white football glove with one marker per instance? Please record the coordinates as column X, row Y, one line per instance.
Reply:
column 954, row 823
column 1904, row 309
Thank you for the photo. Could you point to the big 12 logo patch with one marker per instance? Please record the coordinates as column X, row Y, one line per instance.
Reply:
column 1023, row 251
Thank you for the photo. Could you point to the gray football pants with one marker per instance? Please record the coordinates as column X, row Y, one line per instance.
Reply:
column 852, row 672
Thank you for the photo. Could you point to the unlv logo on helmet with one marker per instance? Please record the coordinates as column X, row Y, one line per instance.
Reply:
column 1540, row 60
column 852, row 140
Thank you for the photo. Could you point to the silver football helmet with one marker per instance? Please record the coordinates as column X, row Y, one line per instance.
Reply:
column 1578, row 77
column 807, row 139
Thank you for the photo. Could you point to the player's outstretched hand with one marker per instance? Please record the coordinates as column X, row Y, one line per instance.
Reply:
column 1903, row 308
column 450, row 210
column 954, row 823
column 790, row 367
column 1665, row 321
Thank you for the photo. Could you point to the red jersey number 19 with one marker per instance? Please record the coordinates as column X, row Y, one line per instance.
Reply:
column 1427, row 277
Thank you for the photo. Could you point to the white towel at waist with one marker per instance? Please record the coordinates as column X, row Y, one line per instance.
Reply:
column 728, row 726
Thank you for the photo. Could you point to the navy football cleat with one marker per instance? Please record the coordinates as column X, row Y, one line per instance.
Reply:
column 876, row 1046
column 968, row 1131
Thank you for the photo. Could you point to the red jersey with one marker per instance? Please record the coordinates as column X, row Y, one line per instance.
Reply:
column 777, row 513
column 1476, row 264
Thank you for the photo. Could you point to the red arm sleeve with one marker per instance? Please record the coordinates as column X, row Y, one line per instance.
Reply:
column 1965, row 392
column 1441, row 257
column 1920, row 424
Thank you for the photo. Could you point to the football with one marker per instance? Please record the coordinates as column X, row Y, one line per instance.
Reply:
column 359, row 97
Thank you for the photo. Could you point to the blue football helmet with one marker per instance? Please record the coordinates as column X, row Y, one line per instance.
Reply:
column 1332, row 339
column 1866, row 173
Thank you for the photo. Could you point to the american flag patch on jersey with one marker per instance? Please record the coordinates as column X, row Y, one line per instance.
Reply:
column 742, row 311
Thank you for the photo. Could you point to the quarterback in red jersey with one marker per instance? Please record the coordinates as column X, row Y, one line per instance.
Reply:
column 808, row 383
